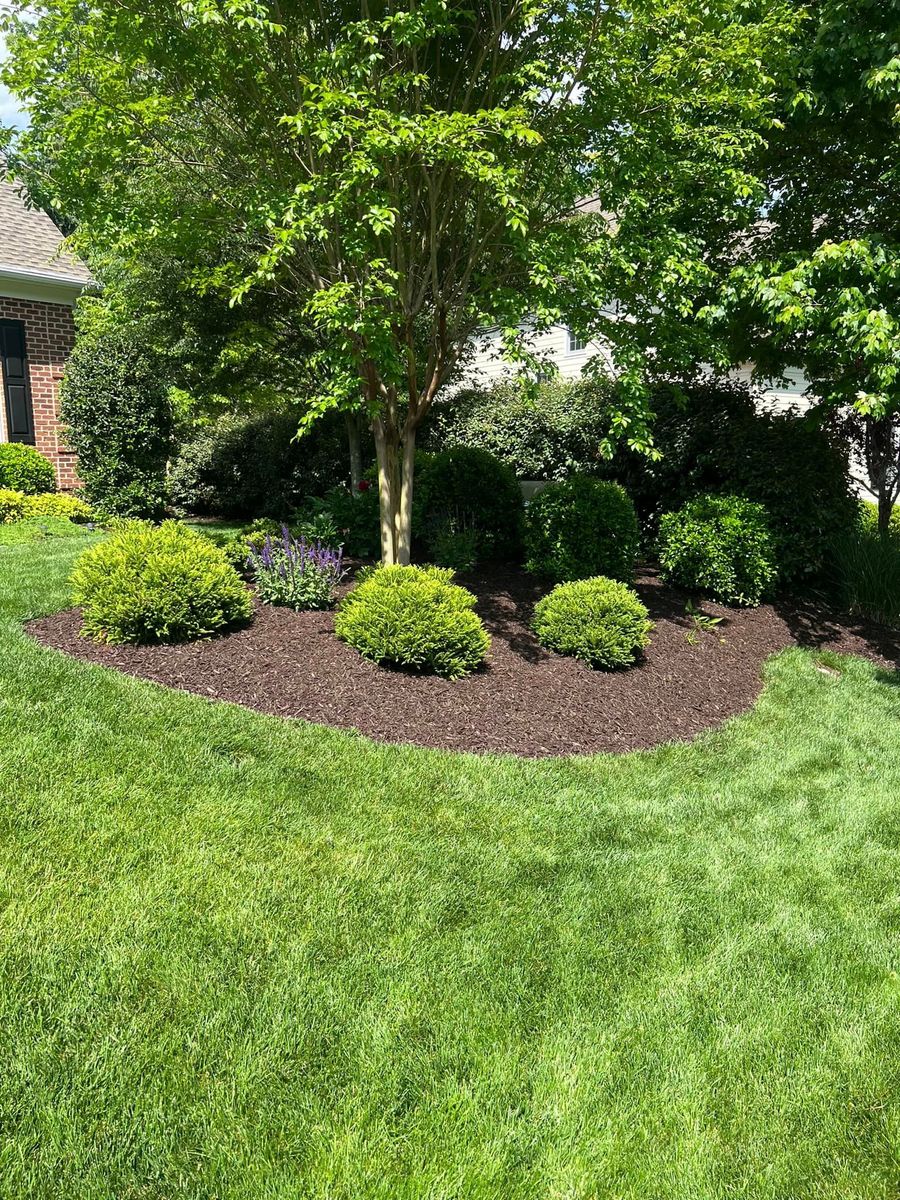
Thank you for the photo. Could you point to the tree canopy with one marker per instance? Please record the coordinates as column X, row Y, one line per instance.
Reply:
column 819, row 286
column 413, row 173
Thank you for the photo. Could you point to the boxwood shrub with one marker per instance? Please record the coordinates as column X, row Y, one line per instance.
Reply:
column 414, row 617
column 599, row 620
column 464, row 490
column 720, row 545
column 24, row 469
column 579, row 528
column 162, row 583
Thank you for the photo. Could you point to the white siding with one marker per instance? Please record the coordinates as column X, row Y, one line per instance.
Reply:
column 487, row 365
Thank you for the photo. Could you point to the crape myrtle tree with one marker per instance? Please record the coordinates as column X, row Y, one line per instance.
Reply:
column 819, row 286
column 410, row 172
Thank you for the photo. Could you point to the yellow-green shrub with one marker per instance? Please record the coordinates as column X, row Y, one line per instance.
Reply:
column 58, row 504
column 12, row 505
column 414, row 617
column 162, row 583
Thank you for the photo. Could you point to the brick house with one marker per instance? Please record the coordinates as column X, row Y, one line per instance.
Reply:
column 38, row 287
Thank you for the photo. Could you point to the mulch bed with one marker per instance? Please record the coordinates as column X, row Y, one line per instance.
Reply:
column 528, row 701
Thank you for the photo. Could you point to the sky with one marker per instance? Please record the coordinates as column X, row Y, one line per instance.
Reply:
column 9, row 110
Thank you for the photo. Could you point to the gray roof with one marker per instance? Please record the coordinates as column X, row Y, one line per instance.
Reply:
column 30, row 242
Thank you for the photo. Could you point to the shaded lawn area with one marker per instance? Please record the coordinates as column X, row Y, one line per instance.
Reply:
column 247, row 958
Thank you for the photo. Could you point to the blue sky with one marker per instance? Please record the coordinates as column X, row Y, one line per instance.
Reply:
column 9, row 110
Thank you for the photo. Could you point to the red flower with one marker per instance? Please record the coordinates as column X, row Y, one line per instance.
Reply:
column 363, row 485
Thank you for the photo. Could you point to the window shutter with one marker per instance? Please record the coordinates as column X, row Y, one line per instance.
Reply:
column 16, row 390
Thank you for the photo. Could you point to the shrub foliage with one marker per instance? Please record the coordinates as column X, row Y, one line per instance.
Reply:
column 548, row 431
column 58, row 504
column 116, row 405
column 256, row 465
column 580, row 528
column 721, row 545
column 414, row 617
column 599, row 620
column 12, row 505
column 17, row 506
column 161, row 583
column 713, row 437
column 24, row 469
column 467, row 489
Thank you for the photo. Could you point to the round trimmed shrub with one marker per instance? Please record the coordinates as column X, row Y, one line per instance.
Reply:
column 579, row 528
column 599, row 620
column 721, row 545
column 414, row 617
column 24, row 469
column 468, row 491
column 162, row 583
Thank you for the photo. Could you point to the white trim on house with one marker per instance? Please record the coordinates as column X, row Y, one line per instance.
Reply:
column 17, row 283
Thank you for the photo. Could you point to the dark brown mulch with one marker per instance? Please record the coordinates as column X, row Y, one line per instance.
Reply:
column 528, row 701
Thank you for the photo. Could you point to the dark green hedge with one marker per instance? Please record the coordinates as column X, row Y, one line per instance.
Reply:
column 115, row 402
column 256, row 466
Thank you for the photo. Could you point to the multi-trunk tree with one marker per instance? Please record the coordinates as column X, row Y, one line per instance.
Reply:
column 412, row 173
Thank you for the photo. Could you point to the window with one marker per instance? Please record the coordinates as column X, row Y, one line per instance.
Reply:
column 576, row 342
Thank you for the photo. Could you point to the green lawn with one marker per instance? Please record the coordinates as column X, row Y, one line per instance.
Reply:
column 247, row 958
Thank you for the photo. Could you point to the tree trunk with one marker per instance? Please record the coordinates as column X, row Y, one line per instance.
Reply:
column 395, row 453
column 386, row 448
column 404, row 522
column 879, row 453
column 885, row 511
column 354, row 445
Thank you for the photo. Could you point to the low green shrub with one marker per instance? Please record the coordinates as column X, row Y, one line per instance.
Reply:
column 470, row 489
column 24, row 469
column 161, row 583
column 414, row 617
column 599, row 620
column 455, row 547
column 355, row 516
column 39, row 529
column 720, row 545
column 580, row 528
column 12, row 505
column 58, row 504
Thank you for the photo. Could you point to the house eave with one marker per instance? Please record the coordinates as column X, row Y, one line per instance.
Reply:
column 16, row 283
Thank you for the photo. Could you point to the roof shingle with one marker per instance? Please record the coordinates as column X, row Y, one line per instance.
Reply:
column 29, row 241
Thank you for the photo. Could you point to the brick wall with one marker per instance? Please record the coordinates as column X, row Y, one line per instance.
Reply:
column 49, row 338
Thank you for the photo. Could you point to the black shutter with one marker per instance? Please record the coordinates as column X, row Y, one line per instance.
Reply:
column 16, row 390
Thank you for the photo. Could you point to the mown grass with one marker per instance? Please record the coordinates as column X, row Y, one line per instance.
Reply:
column 246, row 959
